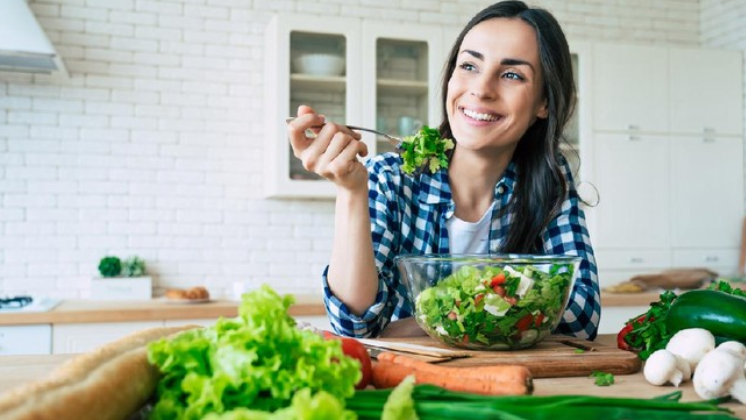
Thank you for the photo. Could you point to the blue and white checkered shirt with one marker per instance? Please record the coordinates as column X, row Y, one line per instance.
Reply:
column 408, row 215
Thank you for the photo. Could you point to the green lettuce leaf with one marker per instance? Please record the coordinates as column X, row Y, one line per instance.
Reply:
column 258, row 360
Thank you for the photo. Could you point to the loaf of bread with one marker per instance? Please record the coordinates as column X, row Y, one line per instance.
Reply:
column 194, row 293
column 109, row 383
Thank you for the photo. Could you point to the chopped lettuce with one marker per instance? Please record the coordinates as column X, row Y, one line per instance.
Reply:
column 258, row 360
column 495, row 307
column 425, row 150
column 321, row 406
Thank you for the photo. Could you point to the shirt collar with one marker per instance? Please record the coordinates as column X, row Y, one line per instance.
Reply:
column 435, row 188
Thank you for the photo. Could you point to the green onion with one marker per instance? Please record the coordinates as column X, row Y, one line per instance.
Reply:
column 435, row 403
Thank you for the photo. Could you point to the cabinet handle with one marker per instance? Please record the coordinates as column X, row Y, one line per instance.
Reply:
column 712, row 258
column 708, row 140
column 633, row 138
column 633, row 127
column 636, row 260
column 708, row 130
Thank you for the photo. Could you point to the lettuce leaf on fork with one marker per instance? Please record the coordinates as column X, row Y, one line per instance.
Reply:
column 425, row 150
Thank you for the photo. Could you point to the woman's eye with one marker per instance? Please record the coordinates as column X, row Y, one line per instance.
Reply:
column 512, row 75
column 467, row 66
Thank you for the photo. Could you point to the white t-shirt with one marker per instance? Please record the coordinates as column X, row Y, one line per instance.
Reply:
column 470, row 238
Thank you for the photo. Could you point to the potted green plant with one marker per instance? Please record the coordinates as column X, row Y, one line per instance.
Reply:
column 121, row 280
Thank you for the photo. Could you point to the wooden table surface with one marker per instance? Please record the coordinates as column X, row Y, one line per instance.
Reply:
column 84, row 311
column 15, row 370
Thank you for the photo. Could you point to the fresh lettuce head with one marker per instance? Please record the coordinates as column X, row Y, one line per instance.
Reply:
column 258, row 360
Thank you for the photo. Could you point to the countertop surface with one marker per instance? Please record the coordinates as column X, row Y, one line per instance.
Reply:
column 15, row 370
column 85, row 311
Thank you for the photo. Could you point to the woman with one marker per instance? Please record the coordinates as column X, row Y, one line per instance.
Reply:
column 508, row 93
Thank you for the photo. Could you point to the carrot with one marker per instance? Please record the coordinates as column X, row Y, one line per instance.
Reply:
column 391, row 369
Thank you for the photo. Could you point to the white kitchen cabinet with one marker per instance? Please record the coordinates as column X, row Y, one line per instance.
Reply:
column 25, row 339
column 614, row 318
column 630, row 88
column 339, row 97
column 707, row 197
column 391, row 71
column 632, row 178
column 706, row 94
column 79, row 338
column 400, row 79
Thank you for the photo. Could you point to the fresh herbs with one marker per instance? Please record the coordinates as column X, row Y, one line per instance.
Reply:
column 425, row 150
column 258, row 360
column 647, row 333
column 603, row 378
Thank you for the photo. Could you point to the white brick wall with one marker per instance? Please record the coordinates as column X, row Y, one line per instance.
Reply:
column 154, row 144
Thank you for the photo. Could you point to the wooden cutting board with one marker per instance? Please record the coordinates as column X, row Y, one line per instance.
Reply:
column 554, row 357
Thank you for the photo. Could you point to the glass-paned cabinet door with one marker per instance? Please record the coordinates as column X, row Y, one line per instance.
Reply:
column 401, row 80
column 313, row 62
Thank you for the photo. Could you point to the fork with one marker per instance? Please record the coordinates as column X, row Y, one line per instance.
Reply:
column 394, row 141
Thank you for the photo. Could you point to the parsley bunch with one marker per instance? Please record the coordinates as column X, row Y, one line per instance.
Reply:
column 425, row 149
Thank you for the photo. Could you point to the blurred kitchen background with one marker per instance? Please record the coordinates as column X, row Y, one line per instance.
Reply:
column 162, row 135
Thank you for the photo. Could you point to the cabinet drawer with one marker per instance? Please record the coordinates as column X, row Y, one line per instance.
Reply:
column 80, row 338
column 633, row 259
column 722, row 259
column 25, row 339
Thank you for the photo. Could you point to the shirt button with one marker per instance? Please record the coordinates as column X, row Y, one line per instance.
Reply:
column 500, row 189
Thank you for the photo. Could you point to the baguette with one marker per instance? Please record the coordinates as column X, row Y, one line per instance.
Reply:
column 109, row 383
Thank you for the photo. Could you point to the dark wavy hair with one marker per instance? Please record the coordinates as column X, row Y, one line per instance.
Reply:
column 541, row 186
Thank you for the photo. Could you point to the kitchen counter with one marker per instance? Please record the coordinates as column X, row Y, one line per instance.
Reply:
column 15, row 370
column 88, row 311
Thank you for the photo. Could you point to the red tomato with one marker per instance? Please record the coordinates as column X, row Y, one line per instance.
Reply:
column 478, row 299
column 353, row 348
column 499, row 290
column 539, row 319
column 498, row 279
column 525, row 322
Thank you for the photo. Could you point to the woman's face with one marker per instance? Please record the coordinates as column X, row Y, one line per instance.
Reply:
column 496, row 89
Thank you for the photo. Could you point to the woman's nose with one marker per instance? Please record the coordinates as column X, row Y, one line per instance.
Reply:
column 482, row 88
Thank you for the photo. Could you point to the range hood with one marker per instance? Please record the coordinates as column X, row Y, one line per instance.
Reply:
column 23, row 45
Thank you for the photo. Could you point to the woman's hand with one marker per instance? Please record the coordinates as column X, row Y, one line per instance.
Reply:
column 332, row 152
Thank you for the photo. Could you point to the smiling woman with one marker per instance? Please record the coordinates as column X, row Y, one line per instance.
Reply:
column 508, row 93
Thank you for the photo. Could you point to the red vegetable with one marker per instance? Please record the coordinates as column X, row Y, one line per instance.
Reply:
column 621, row 341
column 498, row 279
column 353, row 348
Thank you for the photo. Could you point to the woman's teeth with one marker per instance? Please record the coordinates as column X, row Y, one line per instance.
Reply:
column 479, row 116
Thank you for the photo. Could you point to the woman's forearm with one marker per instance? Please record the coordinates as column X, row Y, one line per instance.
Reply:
column 352, row 276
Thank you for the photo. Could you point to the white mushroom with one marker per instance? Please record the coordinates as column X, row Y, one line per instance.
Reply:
column 663, row 366
column 720, row 373
column 735, row 347
column 691, row 344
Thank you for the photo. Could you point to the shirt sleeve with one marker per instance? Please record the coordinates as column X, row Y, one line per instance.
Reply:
column 567, row 234
column 391, row 302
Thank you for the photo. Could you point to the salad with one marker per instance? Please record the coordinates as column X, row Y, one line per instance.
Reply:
column 425, row 149
column 495, row 307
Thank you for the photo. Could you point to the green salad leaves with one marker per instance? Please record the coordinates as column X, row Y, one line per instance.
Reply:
column 259, row 361
column 495, row 307
column 425, row 149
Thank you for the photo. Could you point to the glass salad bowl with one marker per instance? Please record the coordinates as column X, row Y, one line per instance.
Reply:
column 488, row 302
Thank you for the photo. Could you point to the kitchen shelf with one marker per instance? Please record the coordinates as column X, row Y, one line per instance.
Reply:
column 311, row 83
column 402, row 87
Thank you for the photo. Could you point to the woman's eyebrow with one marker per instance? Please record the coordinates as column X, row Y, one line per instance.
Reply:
column 504, row 61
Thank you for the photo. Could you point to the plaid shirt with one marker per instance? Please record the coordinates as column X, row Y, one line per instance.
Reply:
column 408, row 215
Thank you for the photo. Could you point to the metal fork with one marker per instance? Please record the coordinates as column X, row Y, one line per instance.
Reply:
column 394, row 141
